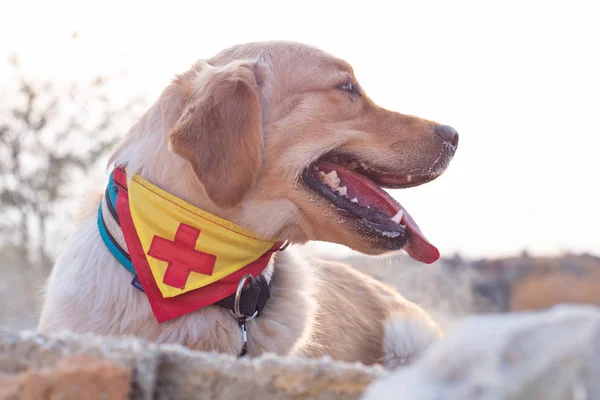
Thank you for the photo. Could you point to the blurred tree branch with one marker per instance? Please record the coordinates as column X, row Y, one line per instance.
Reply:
column 49, row 136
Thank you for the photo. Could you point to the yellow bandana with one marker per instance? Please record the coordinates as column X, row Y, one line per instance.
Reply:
column 187, row 248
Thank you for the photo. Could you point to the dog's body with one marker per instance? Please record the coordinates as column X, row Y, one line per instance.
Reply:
column 233, row 136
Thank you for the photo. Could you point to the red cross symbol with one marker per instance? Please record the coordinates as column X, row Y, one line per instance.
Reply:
column 181, row 256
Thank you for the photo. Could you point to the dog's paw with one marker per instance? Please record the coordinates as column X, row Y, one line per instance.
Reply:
column 406, row 337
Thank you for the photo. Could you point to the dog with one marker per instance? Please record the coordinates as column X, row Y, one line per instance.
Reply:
column 280, row 139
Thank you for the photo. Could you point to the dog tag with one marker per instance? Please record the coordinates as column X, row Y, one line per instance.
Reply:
column 242, row 322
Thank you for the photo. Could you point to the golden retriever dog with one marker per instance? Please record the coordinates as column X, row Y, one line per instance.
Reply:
column 281, row 139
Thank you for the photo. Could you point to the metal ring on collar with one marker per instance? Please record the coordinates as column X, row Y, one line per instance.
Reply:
column 236, row 303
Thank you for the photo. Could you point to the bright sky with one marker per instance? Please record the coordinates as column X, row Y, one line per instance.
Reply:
column 519, row 80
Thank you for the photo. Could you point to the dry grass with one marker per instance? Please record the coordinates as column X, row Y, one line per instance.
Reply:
column 20, row 291
column 568, row 279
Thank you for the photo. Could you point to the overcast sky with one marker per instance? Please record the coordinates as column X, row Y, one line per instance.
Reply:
column 519, row 80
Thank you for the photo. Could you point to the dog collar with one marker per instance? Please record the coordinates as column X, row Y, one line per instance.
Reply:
column 183, row 258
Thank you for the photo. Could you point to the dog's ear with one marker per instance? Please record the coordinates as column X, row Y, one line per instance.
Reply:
column 220, row 130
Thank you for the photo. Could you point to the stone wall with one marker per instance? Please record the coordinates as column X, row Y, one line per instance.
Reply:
column 552, row 355
column 67, row 367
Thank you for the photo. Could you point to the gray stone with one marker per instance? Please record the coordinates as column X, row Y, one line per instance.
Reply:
column 185, row 374
column 551, row 355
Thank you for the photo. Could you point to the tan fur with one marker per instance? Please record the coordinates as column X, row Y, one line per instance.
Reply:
column 354, row 309
column 221, row 125
column 232, row 135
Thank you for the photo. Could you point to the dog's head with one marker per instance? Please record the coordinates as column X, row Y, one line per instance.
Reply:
column 285, row 141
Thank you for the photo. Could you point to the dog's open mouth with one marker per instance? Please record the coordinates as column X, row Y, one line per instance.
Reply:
column 356, row 191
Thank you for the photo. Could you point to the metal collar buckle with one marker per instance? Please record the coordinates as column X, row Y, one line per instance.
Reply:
column 241, row 318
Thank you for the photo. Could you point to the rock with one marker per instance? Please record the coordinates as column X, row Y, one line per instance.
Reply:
column 67, row 366
column 553, row 354
column 183, row 374
column 30, row 353
column 71, row 378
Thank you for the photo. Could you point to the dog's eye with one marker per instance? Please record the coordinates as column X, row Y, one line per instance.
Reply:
column 351, row 88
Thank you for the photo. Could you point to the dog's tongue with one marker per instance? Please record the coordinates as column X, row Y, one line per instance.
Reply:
column 417, row 246
column 369, row 194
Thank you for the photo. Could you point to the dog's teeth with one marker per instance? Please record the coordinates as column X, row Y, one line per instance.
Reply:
column 343, row 191
column 408, row 178
column 398, row 217
column 332, row 180
column 391, row 234
column 354, row 200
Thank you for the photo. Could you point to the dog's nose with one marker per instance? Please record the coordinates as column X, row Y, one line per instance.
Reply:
column 447, row 133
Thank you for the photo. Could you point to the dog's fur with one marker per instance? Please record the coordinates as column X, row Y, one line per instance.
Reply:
column 231, row 136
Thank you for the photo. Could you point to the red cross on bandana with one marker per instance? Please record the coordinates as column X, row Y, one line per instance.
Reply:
column 181, row 256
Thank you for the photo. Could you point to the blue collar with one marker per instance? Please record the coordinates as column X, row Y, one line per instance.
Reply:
column 110, row 229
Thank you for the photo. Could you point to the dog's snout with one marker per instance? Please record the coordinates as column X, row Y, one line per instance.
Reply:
column 447, row 133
